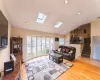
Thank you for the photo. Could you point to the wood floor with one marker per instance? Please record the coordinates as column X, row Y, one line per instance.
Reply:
column 83, row 69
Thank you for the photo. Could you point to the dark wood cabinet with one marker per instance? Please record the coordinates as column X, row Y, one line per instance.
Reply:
column 16, row 45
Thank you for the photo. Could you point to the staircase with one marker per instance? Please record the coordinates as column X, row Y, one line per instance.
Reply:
column 86, row 49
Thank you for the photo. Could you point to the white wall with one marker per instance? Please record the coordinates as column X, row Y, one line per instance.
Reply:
column 5, row 53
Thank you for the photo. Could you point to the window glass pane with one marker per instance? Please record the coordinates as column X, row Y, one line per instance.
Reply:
column 51, row 44
column 38, row 46
column 28, row 47
column 43, row 45
column 34, row 46
column 47, row 45
column 40, row 16
column 61, row 41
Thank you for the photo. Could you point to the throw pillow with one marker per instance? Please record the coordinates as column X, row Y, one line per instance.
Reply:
column 71, row 52
column 64, row 50
column 67, row 50
column 59, row 49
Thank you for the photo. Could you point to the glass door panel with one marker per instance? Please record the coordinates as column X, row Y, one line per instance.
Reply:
column 43, row 46
column 47, row 45
column 51, row 44
column 34, row 46
column 38, row 46
column 29, row 47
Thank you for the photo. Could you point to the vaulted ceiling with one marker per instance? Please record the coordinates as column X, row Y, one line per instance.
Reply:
column 22, row 11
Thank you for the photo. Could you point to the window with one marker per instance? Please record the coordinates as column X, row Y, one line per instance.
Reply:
column 41, row 18
column 43, row 45
column 37, row 46
column 51, row 44
column 58, row 24
column 34, row 46
column 61, row 41
column 47, row 45
column 29, row 46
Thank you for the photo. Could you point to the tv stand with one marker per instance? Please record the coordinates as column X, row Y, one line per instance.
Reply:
column 15, row 75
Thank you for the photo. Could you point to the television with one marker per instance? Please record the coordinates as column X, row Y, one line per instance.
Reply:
column 56, row 39
column 3, row 31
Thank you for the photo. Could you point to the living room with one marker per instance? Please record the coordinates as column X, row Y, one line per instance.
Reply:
column 49, row 40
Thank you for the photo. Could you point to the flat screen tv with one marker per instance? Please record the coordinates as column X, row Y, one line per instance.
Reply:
column 3, row 31
column 56, row 39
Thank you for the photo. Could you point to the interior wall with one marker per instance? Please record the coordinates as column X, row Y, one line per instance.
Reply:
column 95, row 31
column 15, row 32
column 5, row 53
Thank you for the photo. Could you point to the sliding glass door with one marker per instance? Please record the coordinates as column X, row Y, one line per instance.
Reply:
column 51, row 44
column 47, row 46
column 37, row 46
column 43, row 46
column 34, row 51
column 29, row 47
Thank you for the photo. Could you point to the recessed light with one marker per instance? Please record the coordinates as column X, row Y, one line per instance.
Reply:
column 45, row 27
column 26, row 22
column 66, row 1
column 78, row 13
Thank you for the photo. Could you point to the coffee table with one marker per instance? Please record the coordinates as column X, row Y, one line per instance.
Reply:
column 57, row 58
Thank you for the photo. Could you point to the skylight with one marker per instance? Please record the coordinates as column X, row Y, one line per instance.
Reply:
column 41, row 18
column 58, row 24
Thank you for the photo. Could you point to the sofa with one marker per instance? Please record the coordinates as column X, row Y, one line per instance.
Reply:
column 67, row 52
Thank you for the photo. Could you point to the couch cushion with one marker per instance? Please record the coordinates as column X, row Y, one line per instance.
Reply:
column 71, row 52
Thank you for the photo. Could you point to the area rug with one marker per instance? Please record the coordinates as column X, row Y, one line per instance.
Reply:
column 45, row 69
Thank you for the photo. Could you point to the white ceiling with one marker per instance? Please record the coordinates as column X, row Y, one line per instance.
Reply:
column 21, row 11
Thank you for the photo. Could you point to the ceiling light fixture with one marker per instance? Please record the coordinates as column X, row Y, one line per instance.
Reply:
column 45, row 27
column 78, row 13
column 58, row 24
column 66, row 1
